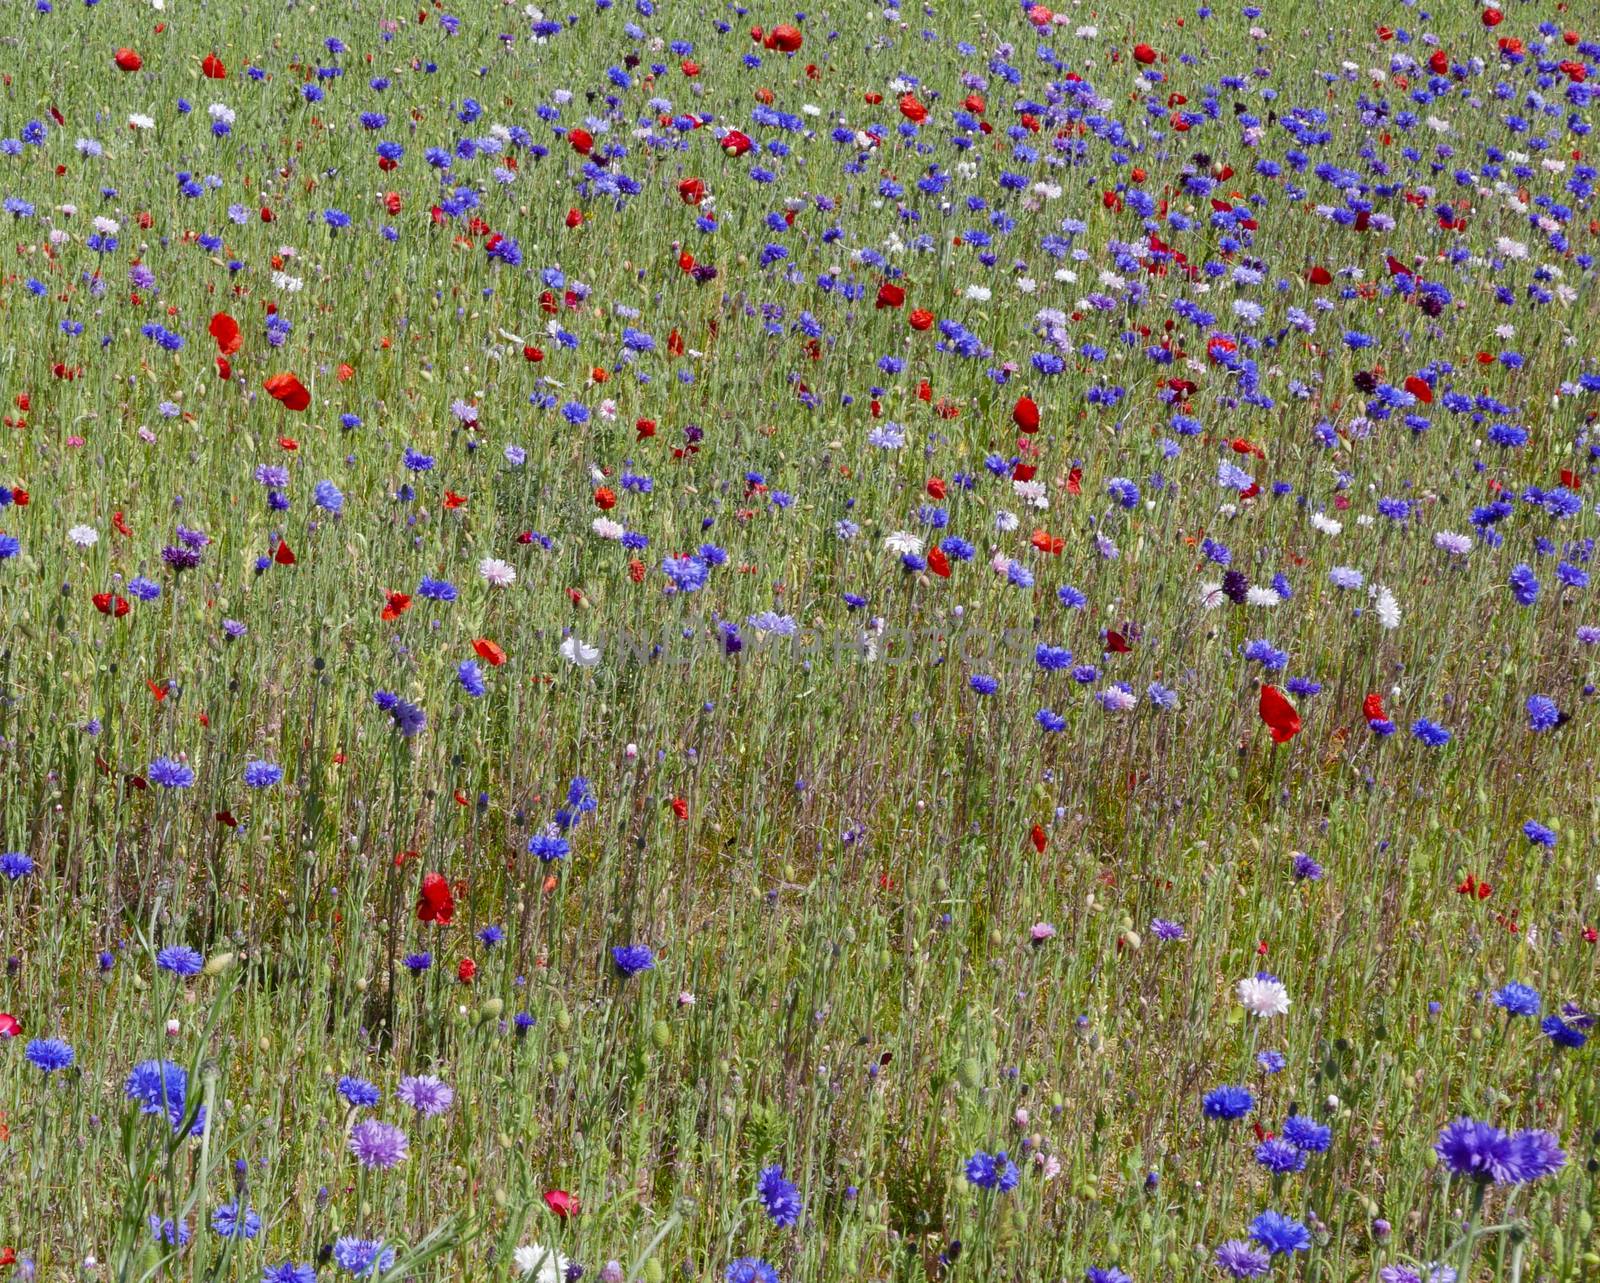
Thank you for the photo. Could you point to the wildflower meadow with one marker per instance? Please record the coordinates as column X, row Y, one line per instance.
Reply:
column 657, row 640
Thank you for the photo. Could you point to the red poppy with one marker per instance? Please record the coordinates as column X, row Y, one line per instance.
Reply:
column 489, row 652
column 213, row 67
column 128, row 59
column 939, row 563
column 582, row 141
column 10, row 1026
column 436, row 904
column 1279, row 715
column 1046, row 542
column 225, row 818
column 1439, row 62
column 465, row 970
column 106, row 604
column 288, row 391
column 691, row 191
column 1492, row 17
column 284, row 556
column 453, row 500
column 1144, row 55
column 921, row 319
column 224, row 368
column 574, row 217
column 1039, row 839
column 605, row 499
column 735, row 143
column 1320, row 276
column 645, row 428
column 680, row 808
column 889, row 295
column 1372, row 708
column 395, row 605
column 912, row 110
column 1419, row 388
column 1025, row 414
column 225, row 330
column 563, row 1204
column 784, row 38
column 159, row 693
column 1116, row 643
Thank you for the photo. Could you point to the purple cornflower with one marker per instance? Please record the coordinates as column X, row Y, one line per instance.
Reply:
column 378, row 1144
column 425, row 1093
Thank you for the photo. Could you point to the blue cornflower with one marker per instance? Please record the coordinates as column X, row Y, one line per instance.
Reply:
column 549, row 846
column 780, row 1198
column 262, row 775
column 1227, row 1102
column 50, row 1055
column 631, row 959
column 1279, row 1234
column 1517, row 999
column 1524, row 585
column 232, row 1221
column 181, row 960
column 1429, row 733
column 1543, row 713
column 358, row 1092
column 1280, row 1157
column 14, row 865
column 1561, row 1034
column 290, row 1272
column 471, row 678
column 161, row 1087
column 171, row 774
column 362, row 1257
column 327, row 497
column 1307, row 1134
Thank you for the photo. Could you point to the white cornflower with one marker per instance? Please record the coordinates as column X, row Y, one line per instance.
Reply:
column 1327, row 525
column 1259, row 596
column 542, row 1264
column 607, row 528
column 580, row 652
column 902, row 542
column 1262, row 996
column 84, row 536
column 1386, row 607
column 497, row 573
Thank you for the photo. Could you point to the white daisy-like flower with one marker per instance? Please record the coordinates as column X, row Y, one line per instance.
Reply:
column 542, row 1264
column 580, row 652
column 497, row 573
column 902, row 542
column 1262, row 996
column 84, row 536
